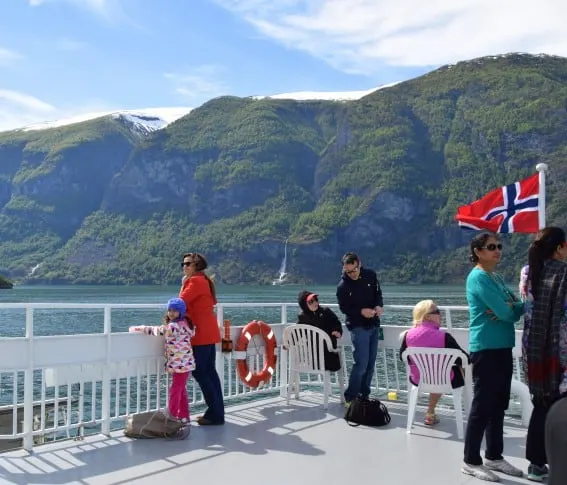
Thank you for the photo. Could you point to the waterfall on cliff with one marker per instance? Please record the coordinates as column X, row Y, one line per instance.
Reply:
column 283, row 268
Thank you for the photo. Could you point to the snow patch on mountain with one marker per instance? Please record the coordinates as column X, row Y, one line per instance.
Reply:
column 326, row 95
column 143, row 121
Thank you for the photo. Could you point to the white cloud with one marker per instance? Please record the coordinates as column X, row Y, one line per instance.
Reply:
column 360, row 36
column 199, row 83
column 25, row 101
column 96, row 5
column 109, row 10
column 7, row 56
column 18, row 109
column 21, row 109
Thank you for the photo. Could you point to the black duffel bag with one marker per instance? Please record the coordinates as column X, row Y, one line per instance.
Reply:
column 369, row 412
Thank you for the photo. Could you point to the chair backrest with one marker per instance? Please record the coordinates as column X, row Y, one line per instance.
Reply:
column 306, row 345
column 434, row 365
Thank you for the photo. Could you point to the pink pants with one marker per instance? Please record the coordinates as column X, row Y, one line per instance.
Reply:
column 178, row 400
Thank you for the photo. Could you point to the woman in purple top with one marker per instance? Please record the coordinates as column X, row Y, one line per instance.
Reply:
column 426, row 332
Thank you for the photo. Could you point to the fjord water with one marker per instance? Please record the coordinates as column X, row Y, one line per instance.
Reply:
column 77, row 321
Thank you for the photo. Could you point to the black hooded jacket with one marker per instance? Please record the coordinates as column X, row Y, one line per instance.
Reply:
column 354, row 295
column 325, row 319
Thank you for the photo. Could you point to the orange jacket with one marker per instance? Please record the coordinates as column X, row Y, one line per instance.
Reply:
column 200, row 302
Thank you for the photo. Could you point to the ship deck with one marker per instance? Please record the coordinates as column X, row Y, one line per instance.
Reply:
column 312, row 446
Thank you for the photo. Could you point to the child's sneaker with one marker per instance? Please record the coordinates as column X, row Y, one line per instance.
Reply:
column 431, row 419
column 537, row 473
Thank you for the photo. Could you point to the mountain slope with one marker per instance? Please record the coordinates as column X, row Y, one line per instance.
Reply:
column 381, row 175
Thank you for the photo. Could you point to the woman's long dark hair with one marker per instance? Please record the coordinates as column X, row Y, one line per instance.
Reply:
column 201, row 265
column 543, row 248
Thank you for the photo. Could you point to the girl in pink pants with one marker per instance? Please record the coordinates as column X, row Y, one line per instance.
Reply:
column 179, row 361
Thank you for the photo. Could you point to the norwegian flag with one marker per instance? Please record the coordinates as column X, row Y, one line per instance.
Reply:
column 512, row 208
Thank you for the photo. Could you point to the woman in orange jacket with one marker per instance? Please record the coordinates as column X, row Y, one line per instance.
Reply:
column 199, row 294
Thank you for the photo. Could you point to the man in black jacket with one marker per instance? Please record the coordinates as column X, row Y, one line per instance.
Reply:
column 360, row 298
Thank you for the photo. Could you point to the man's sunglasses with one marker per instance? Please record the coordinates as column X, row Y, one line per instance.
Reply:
column 186, row 263
column 493, row 247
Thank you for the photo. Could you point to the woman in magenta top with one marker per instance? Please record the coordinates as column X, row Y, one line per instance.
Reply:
column 426, row 332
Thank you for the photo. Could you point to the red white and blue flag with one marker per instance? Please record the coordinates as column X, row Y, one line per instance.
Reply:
column 512, row 208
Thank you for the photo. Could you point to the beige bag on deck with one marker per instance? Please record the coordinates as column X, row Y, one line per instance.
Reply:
column 155, row 424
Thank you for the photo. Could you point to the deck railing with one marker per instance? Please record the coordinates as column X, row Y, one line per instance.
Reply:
column 59, row 385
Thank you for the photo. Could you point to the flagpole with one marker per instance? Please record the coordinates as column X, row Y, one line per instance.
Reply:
column 541, row 168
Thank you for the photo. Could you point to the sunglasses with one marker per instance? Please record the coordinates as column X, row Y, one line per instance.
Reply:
column 435, row 312
column 493, row 247
column 313, row 299
column 186, row 263
column 352, row 271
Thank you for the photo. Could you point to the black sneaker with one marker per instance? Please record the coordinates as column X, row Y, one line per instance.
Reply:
column 537, row 473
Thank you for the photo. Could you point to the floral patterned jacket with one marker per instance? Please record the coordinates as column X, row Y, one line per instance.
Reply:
column 178, row 350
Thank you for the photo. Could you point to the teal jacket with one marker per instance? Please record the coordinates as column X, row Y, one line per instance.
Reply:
column 493, row 311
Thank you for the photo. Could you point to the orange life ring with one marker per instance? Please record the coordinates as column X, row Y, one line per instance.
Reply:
column 256, row 327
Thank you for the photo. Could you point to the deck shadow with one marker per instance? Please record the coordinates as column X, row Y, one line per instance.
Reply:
column 253, row 429
column 250, row 429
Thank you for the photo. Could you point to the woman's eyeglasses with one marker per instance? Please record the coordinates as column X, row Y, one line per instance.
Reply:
column 493, row 247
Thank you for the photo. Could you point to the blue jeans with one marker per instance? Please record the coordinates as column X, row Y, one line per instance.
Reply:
column 206, row 375
column 364, row 352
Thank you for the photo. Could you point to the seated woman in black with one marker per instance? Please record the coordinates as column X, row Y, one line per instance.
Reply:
column 325, row 319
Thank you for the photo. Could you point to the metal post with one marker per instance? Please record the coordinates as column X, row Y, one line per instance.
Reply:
column 541, row 168
column 448, row 319
column 28, row 385
column 284, row 314
column 283, row 371
column 284, row 355
column 105, row 427
column 219, row 356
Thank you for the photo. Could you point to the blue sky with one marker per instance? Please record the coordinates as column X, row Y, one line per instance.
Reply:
column 63, row 57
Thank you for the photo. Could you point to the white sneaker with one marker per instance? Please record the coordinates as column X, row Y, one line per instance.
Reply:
column 503, row 466
column 480, row 472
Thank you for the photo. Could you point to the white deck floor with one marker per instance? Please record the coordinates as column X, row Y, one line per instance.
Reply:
column 265, row 442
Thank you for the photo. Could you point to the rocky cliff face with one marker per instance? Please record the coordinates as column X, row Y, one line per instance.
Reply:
column 101, row 202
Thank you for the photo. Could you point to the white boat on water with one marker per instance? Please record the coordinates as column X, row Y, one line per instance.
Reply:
column 65, row 398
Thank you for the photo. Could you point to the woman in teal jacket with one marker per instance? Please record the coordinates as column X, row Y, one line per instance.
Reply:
column 493, row 311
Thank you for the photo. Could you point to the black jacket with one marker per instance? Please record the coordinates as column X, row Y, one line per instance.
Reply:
column 354, row 295
column 325, row 319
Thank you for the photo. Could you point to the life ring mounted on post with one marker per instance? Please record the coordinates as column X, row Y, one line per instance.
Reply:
column 255, row 379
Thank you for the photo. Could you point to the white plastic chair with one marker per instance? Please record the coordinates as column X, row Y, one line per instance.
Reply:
column 305, row 345
column 435, row 366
